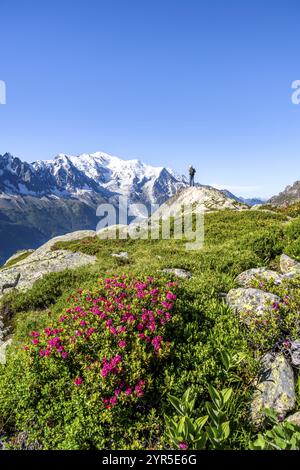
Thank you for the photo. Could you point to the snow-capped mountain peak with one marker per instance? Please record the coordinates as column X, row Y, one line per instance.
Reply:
column 99, row 172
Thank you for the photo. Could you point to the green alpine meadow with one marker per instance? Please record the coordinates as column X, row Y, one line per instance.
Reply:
column 161, row 348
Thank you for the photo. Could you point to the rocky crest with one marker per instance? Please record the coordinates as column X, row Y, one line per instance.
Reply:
column 290, row 195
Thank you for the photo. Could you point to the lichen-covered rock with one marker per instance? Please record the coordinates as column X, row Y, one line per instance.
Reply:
column 275, row 388
column 246, row 278
column 294, row 350
column 38, row 264
column 251, row 304
column 3, row 346
column 294, row 418
column 177, row 272
column 288, row 265
column 8, row 279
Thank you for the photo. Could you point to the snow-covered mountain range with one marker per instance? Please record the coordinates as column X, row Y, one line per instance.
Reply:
column 88, row 175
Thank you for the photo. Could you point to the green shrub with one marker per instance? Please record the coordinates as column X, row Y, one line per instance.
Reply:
column 282, row 436
column 93, row 378
column 267, row 245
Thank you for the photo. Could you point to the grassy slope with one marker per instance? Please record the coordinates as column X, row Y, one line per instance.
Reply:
column 233, row 242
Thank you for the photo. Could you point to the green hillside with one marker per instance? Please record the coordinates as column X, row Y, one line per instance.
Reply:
column 201, row 345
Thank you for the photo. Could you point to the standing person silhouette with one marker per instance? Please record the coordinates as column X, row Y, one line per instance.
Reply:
column 192, row 172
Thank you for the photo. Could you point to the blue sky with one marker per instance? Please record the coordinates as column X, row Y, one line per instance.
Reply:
column 171, row 82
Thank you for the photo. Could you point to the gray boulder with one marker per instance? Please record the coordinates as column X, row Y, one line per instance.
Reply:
column 8, row 280
column 38, row 264
column 177, row 272
column 275, row 388
column 246, row 278
column 251, row 304
column 43, row 260
column 289, row 265
column 294, row 351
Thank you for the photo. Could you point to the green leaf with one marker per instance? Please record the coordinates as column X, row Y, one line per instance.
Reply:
column 225, row 429
column 200, row 422
column 176, row 404
column 226, row 394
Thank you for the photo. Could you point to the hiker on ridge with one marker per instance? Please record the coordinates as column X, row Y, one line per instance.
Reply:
column 192, row 172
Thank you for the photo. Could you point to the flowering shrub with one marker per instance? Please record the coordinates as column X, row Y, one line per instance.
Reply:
column 102, row 358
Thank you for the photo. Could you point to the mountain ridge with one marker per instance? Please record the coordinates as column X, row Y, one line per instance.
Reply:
column 289, row 195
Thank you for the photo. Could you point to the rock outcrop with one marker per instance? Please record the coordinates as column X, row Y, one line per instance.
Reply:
column 23, row 274
column 246, row 278
column 290, row 195
column 251, row 304
column 275, row 388
column 289, row 265
column 17, row 255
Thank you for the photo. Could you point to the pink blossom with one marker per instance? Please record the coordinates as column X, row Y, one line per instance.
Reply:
column 170, row 296
column 90, row 331
column 139, row 388
column 113, row 330
column 183, row 445
column 113, row 401
column 156, row 342
column 78, row 381
column 35, row 334
column 167, row 305
column 122, row 344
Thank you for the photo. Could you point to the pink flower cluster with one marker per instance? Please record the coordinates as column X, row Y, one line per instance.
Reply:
column 110, row 367
column 129, row 315
column 138, row 390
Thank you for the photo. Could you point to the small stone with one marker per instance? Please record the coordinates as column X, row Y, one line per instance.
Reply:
column 246, row 278
column 122, row 255
column 289, row 265
column 275, row 388
column 177, row 272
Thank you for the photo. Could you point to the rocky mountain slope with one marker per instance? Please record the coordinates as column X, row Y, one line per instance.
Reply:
column 205, row 198
column 290, row 195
